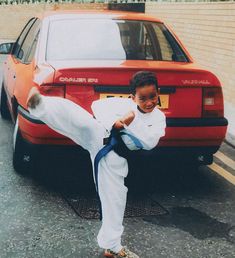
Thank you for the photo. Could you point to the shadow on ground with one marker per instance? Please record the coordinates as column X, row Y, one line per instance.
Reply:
column 197, row 223
column 72, row 174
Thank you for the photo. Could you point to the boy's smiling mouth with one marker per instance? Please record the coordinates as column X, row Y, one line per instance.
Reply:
column 150, row 107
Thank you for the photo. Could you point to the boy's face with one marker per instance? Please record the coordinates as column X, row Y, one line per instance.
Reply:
column 146, row 98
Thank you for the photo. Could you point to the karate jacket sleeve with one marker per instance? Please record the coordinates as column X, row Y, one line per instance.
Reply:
column 148, row 135
column 109, row 110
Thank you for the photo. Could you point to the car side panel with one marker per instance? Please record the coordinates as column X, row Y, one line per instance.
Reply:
column 9, row 75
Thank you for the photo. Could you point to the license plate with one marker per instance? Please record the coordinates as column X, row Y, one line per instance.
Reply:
column 164, row 99
column 111, row 95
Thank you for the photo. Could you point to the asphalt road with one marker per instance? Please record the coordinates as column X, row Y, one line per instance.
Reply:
column 38, row 221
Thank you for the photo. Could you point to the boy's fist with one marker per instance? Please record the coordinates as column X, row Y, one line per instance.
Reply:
column 126, row 120
column 119, row 125
column 34, row 97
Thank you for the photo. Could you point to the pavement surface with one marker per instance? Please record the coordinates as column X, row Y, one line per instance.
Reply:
column 38, row 221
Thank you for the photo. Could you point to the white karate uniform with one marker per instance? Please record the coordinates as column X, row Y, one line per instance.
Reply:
column 71, row 120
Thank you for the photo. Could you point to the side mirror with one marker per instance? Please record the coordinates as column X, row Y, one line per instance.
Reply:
column 5, row 48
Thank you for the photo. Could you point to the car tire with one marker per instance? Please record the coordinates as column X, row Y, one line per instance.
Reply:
column 4, row 110
column 22, row 153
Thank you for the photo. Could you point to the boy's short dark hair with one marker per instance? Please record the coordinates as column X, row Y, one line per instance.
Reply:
column 142, row 78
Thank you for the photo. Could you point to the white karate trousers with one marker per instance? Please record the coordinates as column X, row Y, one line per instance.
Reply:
column 76, row 123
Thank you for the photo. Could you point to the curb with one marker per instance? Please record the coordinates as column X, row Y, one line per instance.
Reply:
column 230, row 140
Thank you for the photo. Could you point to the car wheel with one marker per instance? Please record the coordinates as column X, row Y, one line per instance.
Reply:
column 3, row 105
column 22, row 153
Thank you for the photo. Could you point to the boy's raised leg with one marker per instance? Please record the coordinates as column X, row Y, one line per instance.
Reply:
column 69, row 119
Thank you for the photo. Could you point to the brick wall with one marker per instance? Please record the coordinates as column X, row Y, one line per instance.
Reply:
column 14, row 17
column 208, row 32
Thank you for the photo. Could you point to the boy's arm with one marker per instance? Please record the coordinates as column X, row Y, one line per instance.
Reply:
column 109, row 111
column 126, row 120
column 148, row 135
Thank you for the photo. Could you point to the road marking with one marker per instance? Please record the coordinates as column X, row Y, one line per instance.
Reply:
column 222, row 172
column 229, row 162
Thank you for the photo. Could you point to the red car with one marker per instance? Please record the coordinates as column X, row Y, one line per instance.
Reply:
column 87, row 55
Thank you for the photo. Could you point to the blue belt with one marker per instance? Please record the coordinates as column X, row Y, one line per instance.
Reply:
column 104, row 151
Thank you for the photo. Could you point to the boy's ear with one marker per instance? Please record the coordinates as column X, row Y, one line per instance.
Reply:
column 133, row 97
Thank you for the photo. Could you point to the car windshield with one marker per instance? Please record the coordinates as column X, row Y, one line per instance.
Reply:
column 106, row 39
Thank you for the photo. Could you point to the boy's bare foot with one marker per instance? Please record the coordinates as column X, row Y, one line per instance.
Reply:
column 34, row 97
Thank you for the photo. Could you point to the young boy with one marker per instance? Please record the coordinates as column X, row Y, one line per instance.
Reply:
column 141, row 126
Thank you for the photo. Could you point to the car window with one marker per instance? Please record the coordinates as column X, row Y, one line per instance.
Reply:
column 32, row 50
column 177, row 54
column 136, row 41
column 84, row 39
column 88, row 39
column 165, row 47
column 27, row 45
column 20, row 40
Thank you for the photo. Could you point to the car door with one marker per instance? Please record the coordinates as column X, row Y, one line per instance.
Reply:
column 21, row 73
column 11, row 64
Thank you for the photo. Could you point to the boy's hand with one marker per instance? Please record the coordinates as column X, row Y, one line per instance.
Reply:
column 126, row 120
column 119, row 125
column 34, row 97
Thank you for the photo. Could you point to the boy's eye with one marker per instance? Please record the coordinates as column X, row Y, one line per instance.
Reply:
column 152, row 96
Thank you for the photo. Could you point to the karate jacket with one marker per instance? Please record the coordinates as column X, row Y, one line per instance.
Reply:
column 148, row 128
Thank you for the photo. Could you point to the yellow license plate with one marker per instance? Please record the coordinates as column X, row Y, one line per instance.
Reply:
column 111, row 95
column 164, row 99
